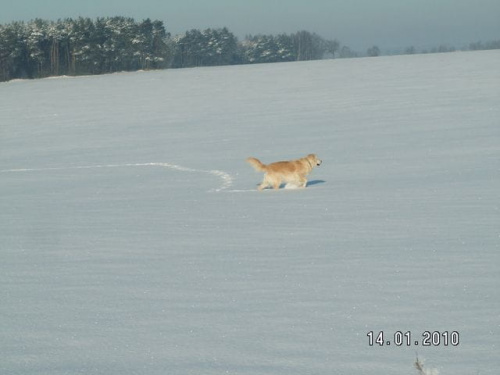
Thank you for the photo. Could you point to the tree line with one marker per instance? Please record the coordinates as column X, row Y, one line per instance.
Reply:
column 41, row 48
column 81, row 46
column 443, row 48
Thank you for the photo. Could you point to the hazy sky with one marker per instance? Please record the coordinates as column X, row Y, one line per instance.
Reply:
column 356, row 23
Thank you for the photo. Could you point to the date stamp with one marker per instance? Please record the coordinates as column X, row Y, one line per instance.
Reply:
column 427, row 338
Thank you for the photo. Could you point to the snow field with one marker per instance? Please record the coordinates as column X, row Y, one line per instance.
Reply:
column 125, row 251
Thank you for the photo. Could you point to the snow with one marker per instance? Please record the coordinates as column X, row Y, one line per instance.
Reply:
column 133, row 240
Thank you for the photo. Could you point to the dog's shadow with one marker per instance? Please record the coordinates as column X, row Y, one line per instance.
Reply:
column 309, row 184
column 315, row 182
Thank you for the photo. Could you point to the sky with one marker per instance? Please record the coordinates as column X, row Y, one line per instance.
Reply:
column 359, row 24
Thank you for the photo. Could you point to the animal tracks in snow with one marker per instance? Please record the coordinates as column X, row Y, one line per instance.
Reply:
column 226, row 180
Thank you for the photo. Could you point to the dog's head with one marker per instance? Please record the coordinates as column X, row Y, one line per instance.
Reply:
column 314, row 160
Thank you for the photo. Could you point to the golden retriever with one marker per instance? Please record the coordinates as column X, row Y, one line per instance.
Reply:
column 293, row 171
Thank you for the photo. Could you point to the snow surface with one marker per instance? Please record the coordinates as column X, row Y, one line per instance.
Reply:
column 133, row 240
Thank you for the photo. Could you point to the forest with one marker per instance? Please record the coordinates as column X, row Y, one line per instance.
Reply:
column 83, row 46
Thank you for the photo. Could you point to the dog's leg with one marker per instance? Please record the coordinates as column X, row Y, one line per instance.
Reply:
column 264, row 184
column 276, row 183
column 303, row 182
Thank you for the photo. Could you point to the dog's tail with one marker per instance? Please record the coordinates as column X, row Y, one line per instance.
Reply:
column 256, row 164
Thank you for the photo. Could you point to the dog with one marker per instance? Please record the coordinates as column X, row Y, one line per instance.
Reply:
column 292, row 171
